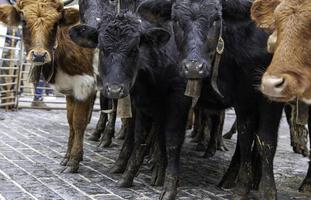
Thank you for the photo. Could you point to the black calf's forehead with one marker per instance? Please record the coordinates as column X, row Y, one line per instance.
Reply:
column 120, row 31
column 196, row 8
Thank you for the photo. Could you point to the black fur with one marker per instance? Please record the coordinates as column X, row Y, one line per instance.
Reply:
column 241, row 66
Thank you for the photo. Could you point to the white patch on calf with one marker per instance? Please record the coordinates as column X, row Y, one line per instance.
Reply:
column 79, row 86
column 307, row 101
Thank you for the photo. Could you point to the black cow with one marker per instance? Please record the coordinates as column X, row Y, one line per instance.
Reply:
column 90, row 14
column 138, row 59
column 199, row 26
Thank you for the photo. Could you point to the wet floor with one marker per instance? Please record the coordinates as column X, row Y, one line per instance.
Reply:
column 32, row 143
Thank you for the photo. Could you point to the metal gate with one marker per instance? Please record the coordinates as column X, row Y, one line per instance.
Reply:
column 9, row 67
column 15, row 89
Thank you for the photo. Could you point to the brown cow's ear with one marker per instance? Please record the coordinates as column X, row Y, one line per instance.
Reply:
column 9, row 15
column 70, row 17
column 262, row 12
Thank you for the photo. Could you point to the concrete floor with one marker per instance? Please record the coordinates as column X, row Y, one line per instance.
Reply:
column 32, row 143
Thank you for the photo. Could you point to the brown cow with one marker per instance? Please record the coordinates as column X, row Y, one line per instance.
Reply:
column 69, row 67
column 289, row 74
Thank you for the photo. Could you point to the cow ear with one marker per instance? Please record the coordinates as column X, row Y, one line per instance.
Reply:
column 156, row 36
column 262, row 12
column 70, row 17
column 9, row 15
column 155, row 10
column 84, row 36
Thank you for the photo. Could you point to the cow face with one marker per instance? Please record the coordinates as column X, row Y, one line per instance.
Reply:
column 197, row 26
column 288, row 75
column 123, row 43
column 40, row 21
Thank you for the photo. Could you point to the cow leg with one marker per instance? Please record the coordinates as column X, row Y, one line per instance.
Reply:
column 101, row 124
column 212, row 145
column 232, row 131
column 204, row 130
column 106, row 138
column 127, row 148
column 298, row 131
column 246, row 124
column 91, row 108
column 190, row 120
column 266, row 141
column 122, row 131
column 176, row 118
column 202, row 117
column 142, row 131
column 306, row 184
column 256, row 165
column 80, row 121
column 196, row 124
column 220, row 140
column 70, row 108
column 159, row 159
column 229, row 179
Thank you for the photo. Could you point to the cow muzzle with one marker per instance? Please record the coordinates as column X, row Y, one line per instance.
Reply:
column 115, row 91
column 39, row 57
column 273, row 86
column 193, row 69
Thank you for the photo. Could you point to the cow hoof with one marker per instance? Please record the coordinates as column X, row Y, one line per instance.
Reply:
column 200, row 147
column 121, row 134
column 73, row 166
column 168, row 195
column 210, row 152
column 193, row 133
column 228, row 135
column 267, row 191
column 94, row 137
column 227, row 184
column 241, row 190
column 222, row 148
column 125, row 182
column 268, row 194
column 105, row 143
column 117, row 169
column 305, row 186
column 158, row 176
column 64, row 162
column 303, row 150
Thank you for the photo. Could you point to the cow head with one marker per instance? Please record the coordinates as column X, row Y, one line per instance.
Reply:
column 40, row 21
column 197, row 27
column 288, row 75
column 122, row 40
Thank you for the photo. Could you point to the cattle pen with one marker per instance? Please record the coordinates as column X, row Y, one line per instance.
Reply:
column 109, row 127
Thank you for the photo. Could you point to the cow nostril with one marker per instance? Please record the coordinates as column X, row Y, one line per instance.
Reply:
column 281, row 83
column 186, row 67
column 200, row 66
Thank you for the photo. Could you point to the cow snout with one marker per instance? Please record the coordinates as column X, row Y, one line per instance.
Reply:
column 273, row 86
column 115, row 91
column 193, row 69
column 39, row 57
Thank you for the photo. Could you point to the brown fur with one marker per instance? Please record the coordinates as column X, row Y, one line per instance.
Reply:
column 292, row 50
column 45, row 27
